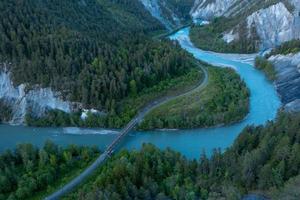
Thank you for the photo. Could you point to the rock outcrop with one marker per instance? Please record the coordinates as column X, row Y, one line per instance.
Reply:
column 274, row 25
column 287, row 82
column 155, row 7
column 230, row 36
column 36, row 101
column 207, row 9
column 273, row 22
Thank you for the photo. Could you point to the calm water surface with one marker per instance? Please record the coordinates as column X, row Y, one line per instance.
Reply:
column 264, row 104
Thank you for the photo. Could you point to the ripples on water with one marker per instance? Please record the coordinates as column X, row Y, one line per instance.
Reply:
column 81, row 131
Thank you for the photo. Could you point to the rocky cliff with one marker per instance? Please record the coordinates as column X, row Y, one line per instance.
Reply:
column 287, row 82
column 274, row 22
column 36, row 101
column 274, row 25
column 208, row 9
column 170, row 13
column 155, row 9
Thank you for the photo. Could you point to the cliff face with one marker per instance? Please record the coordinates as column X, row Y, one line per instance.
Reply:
column 287, row 82
column 171, row 13
column 164, row 12
column 207, row 9
column 36, row 101
column 274, row 23
column 155, row 9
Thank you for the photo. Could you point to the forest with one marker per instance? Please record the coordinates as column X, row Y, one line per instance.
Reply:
column 100, row 53
column 266, row 66
column 102, row 57
column 285, row 48
column 224, row 100
column 262, row 62
column 5, row 111
column 210, row 37
column 179, row 7
column 264, row 158
column 29, row 172
column 127, row 108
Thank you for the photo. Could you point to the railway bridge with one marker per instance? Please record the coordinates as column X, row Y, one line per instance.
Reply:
column 123, row 133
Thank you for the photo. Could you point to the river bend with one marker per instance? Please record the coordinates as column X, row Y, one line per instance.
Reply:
column 264, row 103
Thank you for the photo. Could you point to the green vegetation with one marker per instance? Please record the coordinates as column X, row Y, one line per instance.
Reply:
column 225, row 100
column 127, row 108
column 255, row 5
column 285, row 48
column 95, row 59
column 130, row 106
column 262, row 158
column 5, row 111
column 180, row 8
column 54, row 118
column 210, row 37
column 32, row 173
column 266, row 66
column 289, row 191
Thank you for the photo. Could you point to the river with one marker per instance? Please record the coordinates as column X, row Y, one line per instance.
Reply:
column 264, row 103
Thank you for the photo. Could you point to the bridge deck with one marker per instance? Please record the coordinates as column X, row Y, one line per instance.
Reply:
column 101, row 159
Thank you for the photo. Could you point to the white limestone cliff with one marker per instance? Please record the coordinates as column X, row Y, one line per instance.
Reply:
column 287, row 82
column 37, row 100
column 207, row 9
column 230, row 36
column 274, row 25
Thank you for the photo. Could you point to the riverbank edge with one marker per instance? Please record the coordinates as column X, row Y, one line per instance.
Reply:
column 232, row 122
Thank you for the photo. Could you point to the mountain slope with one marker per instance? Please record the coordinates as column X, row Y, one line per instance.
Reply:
column 208, row 9
column 171, row 13
column 251, row 19
column 287, row 68
column 90, row 52
column 282, row 66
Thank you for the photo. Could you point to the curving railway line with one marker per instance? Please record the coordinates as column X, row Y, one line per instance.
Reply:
column 123, row 133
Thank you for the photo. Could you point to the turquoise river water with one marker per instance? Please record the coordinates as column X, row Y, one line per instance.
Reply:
column 264, row 103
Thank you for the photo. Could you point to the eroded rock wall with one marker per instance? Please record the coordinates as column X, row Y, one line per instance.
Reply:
column 287, row 82
column 155, row 7
column 273, row 24
column 207, row 9
column 36, row 100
